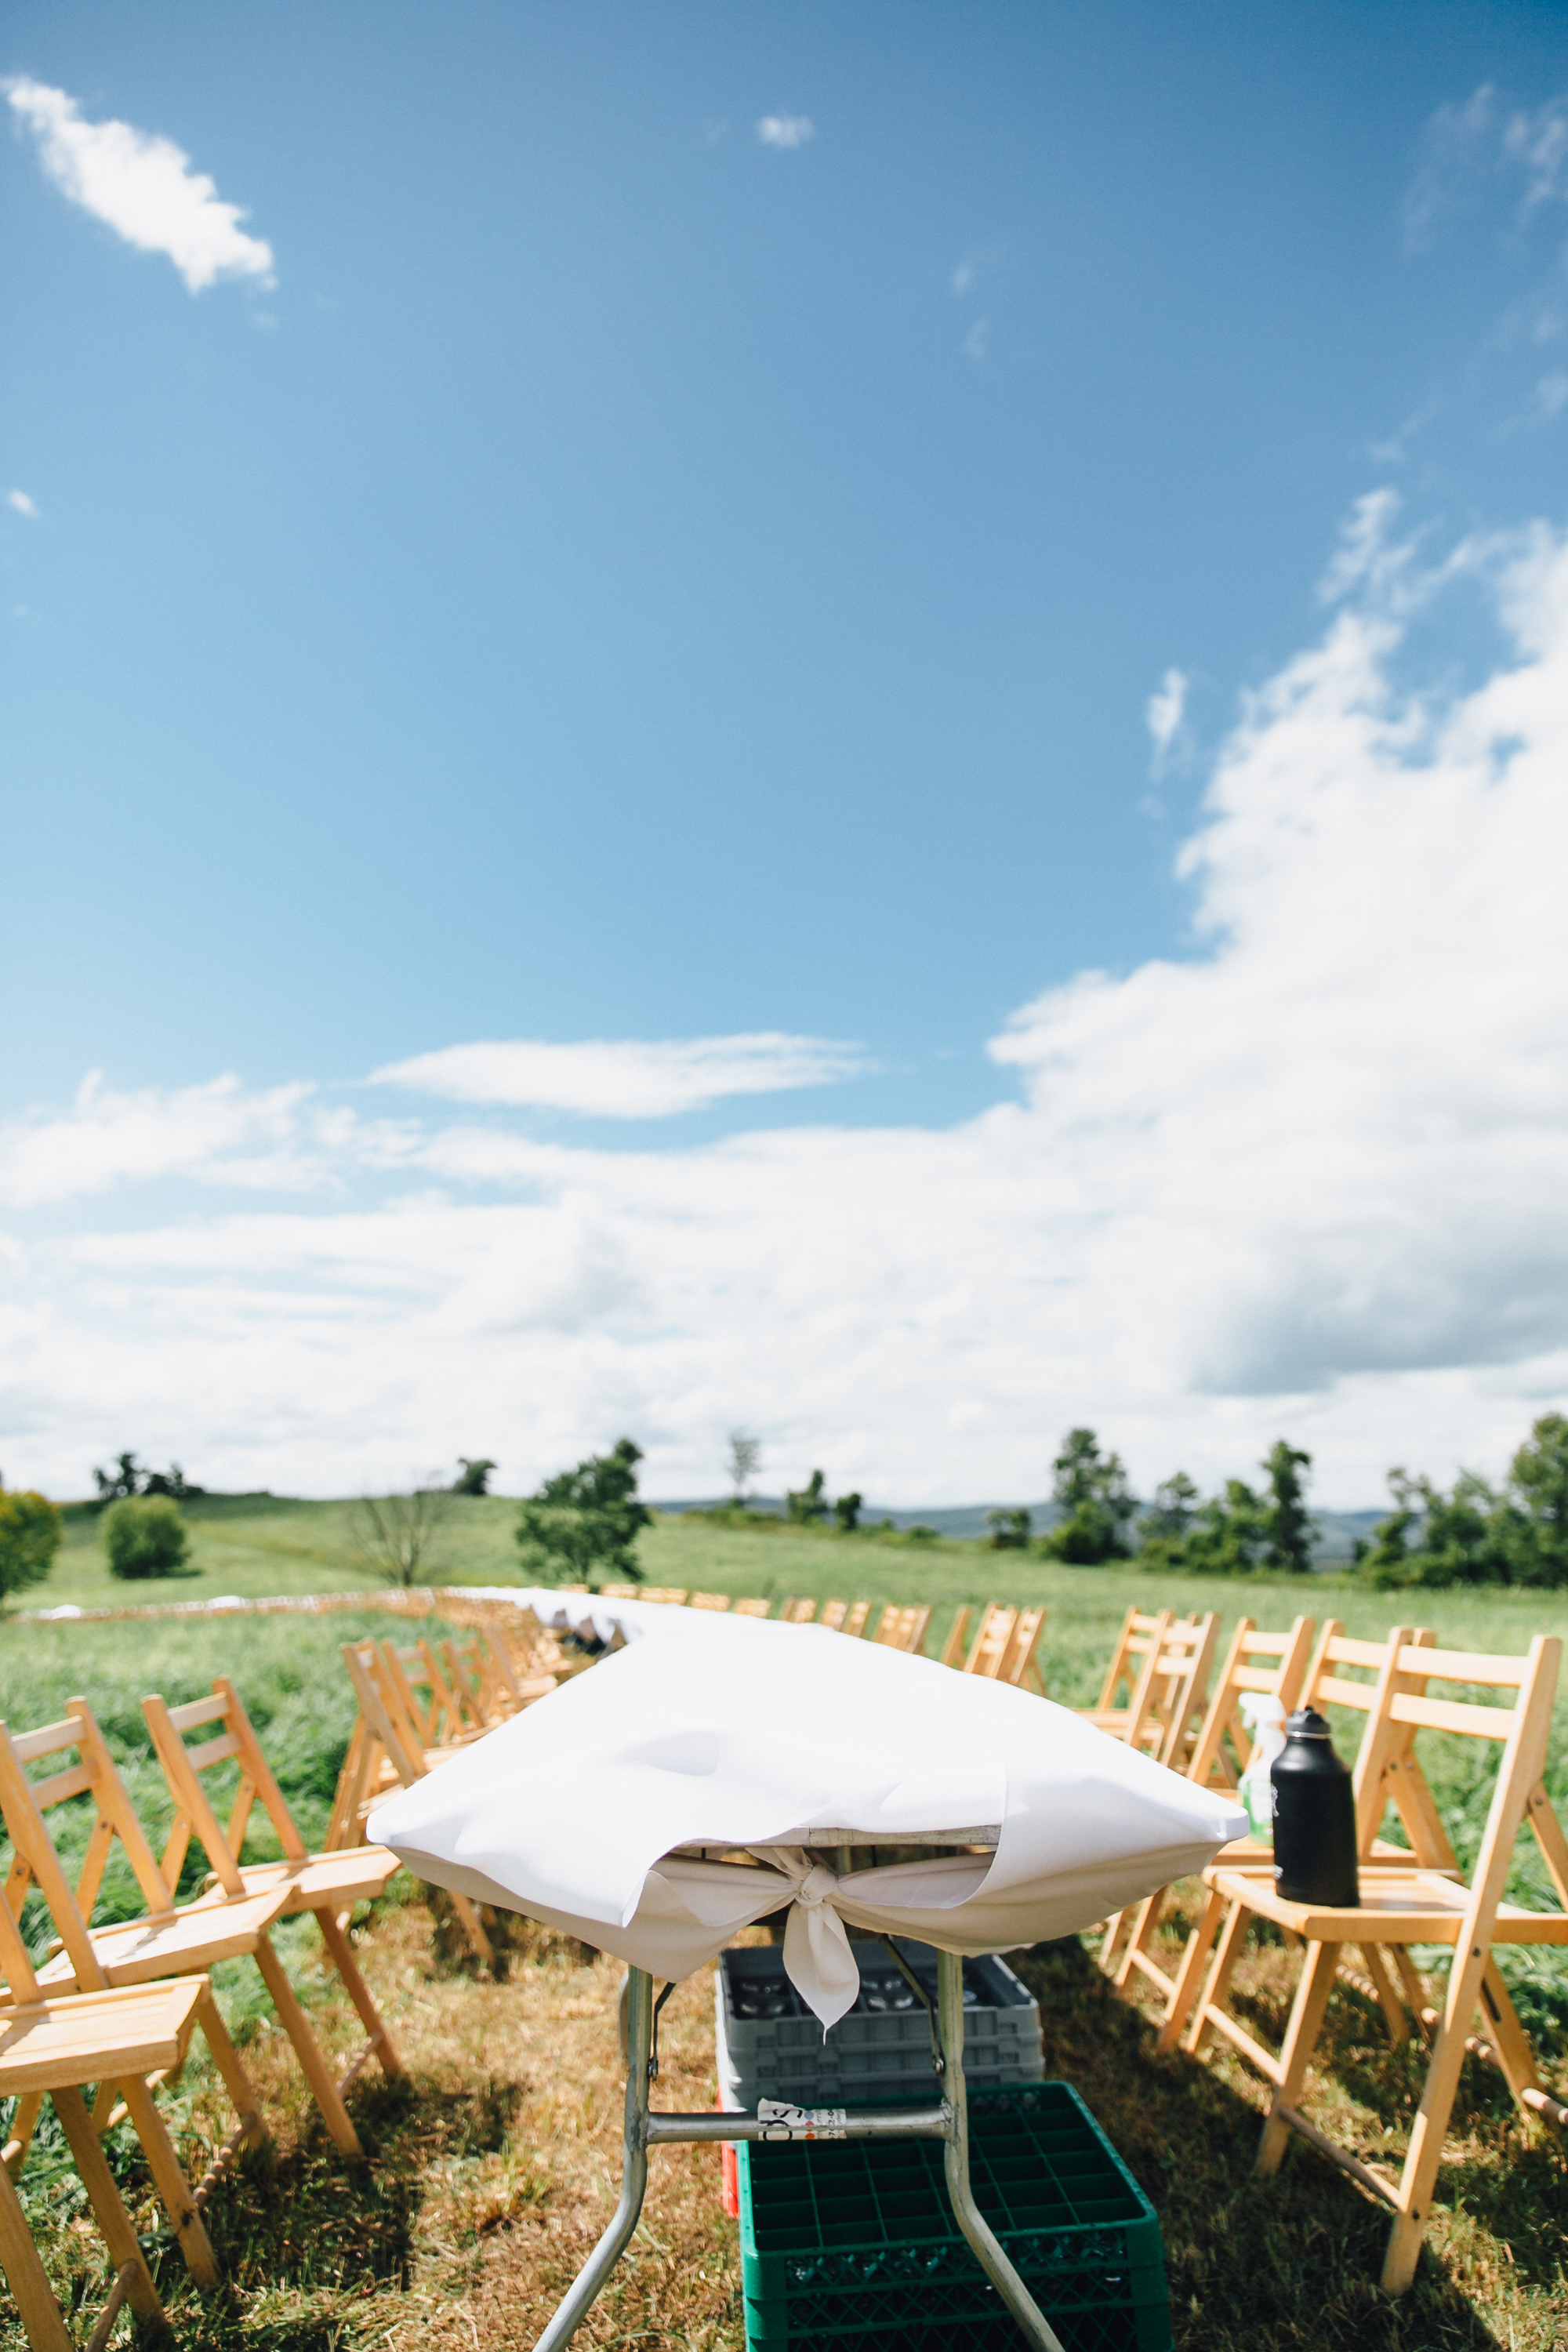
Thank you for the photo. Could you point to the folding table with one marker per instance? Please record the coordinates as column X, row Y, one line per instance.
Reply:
column 948, row 2120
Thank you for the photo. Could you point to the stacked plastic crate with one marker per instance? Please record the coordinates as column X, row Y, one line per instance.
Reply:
column 851, row 2246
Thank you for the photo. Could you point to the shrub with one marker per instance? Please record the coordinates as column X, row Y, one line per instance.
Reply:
column 1010, row 1530
column 30, row 1532
column 145, row 1534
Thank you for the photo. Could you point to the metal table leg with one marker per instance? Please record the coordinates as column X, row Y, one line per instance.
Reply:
column 948, row 2123
column 956, row 2162
column 586, row 2286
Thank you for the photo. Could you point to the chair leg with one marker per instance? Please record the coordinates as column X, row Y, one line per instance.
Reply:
column 169, row 2180
column 119, row 2236
column 1109, row 1941
column 1141, row 1934
column 1509, row 2040
column 1301, row 2040
column 225, row 2058
column 1424, row 2153
column 348, row 1968
column 1232, row 1936
column 24, row 2124
column 1189, row 1976
column 26, row 2276
column 472, row 1929
column 296, row 2025
column 1387, row 1999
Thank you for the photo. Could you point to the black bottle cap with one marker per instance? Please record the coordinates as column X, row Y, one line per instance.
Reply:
column 1306, row 1724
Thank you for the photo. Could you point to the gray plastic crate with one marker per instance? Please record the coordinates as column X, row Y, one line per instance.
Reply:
column 770, row 2046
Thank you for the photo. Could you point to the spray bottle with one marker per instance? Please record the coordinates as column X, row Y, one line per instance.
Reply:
column 1264, row 1716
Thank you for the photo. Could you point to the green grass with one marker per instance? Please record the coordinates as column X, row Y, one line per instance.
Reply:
column 1289, row 2262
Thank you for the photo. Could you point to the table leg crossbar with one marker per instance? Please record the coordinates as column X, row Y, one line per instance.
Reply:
column 949, row 2122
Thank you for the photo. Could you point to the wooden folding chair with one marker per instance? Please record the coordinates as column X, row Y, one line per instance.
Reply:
column 957, row 1642
column 1382, row 1774
column 387, row 1752
column 1265, row 1665
column 139, row 2031
column 1020, row 1666
column 753, row 1608
column 116, row 2040
column 515, row 1679
column 854, row 1622
column 1134, row 1664
column 904, row 1628
column 993, row 1641
column 170, row 1939
column 329, row 1885
column 1413, row 1904
column 799, row 1611
column 718, row 1602
column 832, row 1615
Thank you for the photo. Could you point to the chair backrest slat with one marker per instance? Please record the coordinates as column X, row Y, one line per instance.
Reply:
column 1211, row 1759
column 834, row 1612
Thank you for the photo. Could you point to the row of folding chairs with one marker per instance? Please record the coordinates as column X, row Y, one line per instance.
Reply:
column 1413, row 1890
column 114, row 2008
column 425, row 1701
column 1004, row 1647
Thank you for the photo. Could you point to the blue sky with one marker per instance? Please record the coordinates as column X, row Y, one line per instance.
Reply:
column 616, row 571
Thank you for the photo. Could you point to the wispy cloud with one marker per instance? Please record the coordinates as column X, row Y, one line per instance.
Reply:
column 1538, row 143
column 978, row 341
column 1163, row 715
column 786, row 131
column 216, row 1132
column 602, row 1078
column 142, row 185
column 22, row 504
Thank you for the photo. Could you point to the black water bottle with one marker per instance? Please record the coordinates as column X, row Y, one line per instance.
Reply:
column 1314, row 1817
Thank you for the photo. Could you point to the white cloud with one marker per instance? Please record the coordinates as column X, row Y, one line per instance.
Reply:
column 1164, row 714
column 1310, row 1181
column 22, row 504
column 1538, row 143
column 978, row 341
column 142, row 185
column 216, row 1132
column 786, row 131
column 600, row 1078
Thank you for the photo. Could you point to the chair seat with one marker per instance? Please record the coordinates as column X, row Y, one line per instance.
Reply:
column 1397, row 1906
column 182, row 1943
column 96, row 2036
column 323, row 1881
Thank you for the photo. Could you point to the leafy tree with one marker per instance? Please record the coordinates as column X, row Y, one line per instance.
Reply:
column 745, row 1460
column 1230, row 1532
column 173, row 1483
column 806, row 1505
column 124, row 1480
column 145, row 1534
column 1471, row 1536
column 30, row 1533
column 1010, row 1530
column 474, row 1477
column 847, row 1511
column 581, row 1526
column 1097, row 1507
column 1288, row 1540
column 397, row 1536
column 1169, row 1519
column 1534, row 1539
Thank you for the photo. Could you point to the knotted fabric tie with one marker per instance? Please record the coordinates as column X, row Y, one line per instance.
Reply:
column 818, row 1959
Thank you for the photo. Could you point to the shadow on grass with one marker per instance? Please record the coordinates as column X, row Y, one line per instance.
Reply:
column 1287, row 2263
column 306, row 2241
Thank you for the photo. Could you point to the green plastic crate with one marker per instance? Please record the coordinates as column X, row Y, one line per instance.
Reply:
column 852, row 2243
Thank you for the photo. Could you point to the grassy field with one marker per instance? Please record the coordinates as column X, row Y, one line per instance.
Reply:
column 492, row 2168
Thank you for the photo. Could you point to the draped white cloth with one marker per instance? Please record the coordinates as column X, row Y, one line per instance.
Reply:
column 570, row 1811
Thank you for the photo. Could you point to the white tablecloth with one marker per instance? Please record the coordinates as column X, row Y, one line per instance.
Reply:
column 570, row 1812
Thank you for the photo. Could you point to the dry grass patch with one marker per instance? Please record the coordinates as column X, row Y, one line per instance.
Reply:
column 492, row 2168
